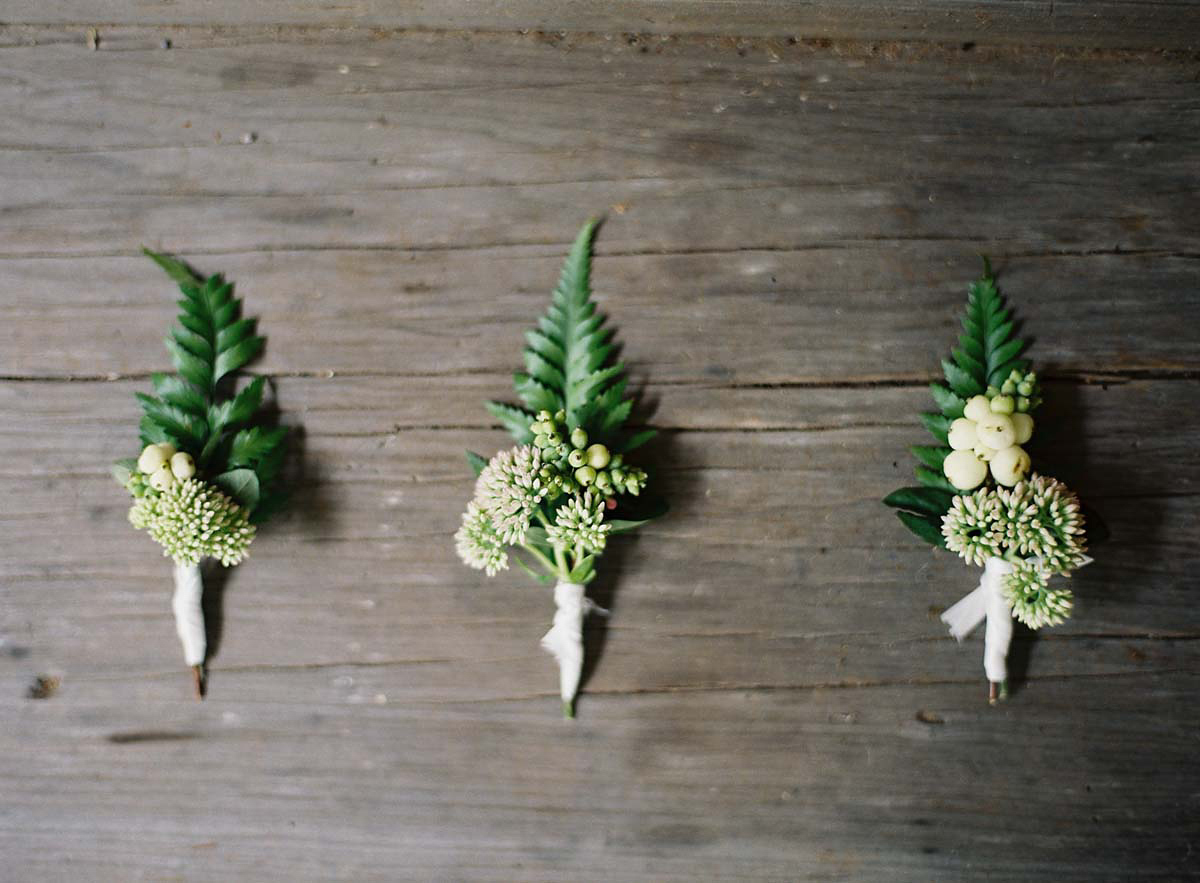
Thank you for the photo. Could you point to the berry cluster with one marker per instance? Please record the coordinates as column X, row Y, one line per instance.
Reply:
column 989, row 435
column 570, row 464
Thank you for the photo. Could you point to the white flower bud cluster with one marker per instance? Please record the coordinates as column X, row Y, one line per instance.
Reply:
column 510, row 490
column 191, row 520
column 1027, row 590
column 579, row 523
column 988, row 438
column 478, row 544
column 1037, row 525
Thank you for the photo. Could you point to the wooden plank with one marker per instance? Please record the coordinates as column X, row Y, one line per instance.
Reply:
column 789, row 236
column 1099, row 24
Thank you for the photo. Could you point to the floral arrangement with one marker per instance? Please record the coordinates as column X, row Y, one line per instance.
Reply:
column 206, row 475
column 554, row 496
column 978, row 496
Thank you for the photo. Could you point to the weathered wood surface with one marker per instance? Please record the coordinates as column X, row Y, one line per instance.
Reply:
column 1120, row 24
column 790, row 230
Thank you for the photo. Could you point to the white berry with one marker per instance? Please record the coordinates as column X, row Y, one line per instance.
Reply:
column 1023, row 427
column 962, row 435
column 964, row 470
column 151, row 458
column 183, row 466
column 983, row 452
column 996, row 431
column 977, row 408
column 162, row 479
column 1010, row 465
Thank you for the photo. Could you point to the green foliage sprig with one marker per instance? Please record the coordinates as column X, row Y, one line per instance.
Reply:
column 551, row 495
column 987, row 355
column 199, row 410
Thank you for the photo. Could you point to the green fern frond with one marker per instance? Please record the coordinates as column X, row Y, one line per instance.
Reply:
column 197, row 409
column 568, row 359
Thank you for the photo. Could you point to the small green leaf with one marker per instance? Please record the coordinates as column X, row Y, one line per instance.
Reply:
column 250, row 445
column 933, row 457
column 932, row 479
column 960, row 381
column 193, row 343
column 535, row 396
column 234, row 334
column 922, row 500
column 939, row 425
column 237, row 356
column 542, row 371
column 241, row 484
column 636, row 440
column 194, row 369
column 178, row 392
column 1006, row 353
column 122, row 470
column 971, row 365
column 477, row 462
column 582, row 572
column 176, row 269
column 951, row 405
column 243, row 406
column 515, row 420
column 927, row 529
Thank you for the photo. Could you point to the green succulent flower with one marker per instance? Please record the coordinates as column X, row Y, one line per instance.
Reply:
column 193, row 520
column 478, row 544
column 970, row 527
column 1041, row 518
column 1033, row 602
column 578, row 524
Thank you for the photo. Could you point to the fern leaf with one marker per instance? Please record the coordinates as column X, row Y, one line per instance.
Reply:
column 567, row 358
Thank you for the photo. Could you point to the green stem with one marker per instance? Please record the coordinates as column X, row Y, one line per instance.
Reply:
column 543, row 560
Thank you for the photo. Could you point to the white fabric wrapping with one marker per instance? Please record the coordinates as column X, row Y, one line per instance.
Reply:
column 986, row 602
column 189, row 615
column 565, row 638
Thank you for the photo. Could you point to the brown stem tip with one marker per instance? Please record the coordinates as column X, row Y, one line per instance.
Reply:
column 198, row 680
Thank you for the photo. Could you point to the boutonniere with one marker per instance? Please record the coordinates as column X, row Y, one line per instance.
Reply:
column 979, row 495
column 208, row 472
column 553, row 502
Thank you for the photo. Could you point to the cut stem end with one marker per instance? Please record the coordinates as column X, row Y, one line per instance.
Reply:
column 199, row 681
column 569, row 710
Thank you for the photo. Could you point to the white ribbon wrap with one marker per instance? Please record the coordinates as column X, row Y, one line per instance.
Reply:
column 987, row 602
column 565, row 638
column 189, row 615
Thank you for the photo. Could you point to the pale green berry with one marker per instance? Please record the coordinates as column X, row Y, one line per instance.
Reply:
column 1025, row 388
column 1010, row 465
column 598, row 456
column 162, row 478
column 560, row 416
column 962, row 435
column 579, row 437
column 1003, row 405
column 1008, row 387
column 991, row 392
column 616, row 461
column 585, row 475
column 977, row 408
column 603, row 482
column 577, row 459
column 964, row 470
column 151, row 458
column 1023, row 427
column 996, row 430
column 1023, row 404
column 183, row 466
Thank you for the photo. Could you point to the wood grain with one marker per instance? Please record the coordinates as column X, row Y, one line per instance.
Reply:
column 790, row 230
column 1120, row 24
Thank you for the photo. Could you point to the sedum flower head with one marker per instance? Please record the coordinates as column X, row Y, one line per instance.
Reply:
column 970, row 527
column 1033, row 602
column 579, row 523
column 509, row 490
column 478, row 544
column 193, row 520
column 1041, row 518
